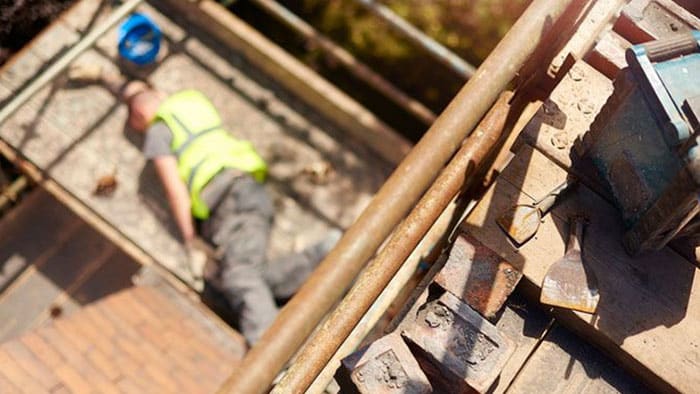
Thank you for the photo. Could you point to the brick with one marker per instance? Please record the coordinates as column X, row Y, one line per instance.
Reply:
column 160, row 378
column 122, row 328
column 127, row 385
column 101, row 323
column 184, row 356
column 458, row 349
column 121, row 307
column 7, row 386
column 85, row 327
column 31, row 364
column 61, row 390
column 74, row 359
column 72, row 379
column 568, row 112
column 132, row 371
column 478, row 276
column 104, row 364
column 608, row 56
column 155, row 302
column 121, row 344
column 385, row 366
column 17, row 375
column 81, row 343
column 186, row 384
column 135, row 350
column 646, row 20
column 42, row 350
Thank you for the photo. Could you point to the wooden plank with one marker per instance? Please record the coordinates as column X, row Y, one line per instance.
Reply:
column 526, row 325
column 648, row 315
column 564, row 363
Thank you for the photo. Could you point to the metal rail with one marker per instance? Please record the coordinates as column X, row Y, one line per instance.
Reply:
column 389, row 206
column 434, row 237
column 417, row 37
column 56, row 68
column 458, row 173
column 388, row 297
column 347, row 60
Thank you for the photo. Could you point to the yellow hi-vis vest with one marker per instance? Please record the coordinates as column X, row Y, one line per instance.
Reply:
column 203, row 148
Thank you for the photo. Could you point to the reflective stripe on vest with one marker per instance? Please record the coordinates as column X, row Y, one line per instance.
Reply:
column 203, row 148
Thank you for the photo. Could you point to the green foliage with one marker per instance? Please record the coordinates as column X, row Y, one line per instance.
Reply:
column 469, row 28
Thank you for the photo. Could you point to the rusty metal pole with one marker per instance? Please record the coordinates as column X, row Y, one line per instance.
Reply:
column 391, row 203
column 417, row 37
column 461, row 170
column 407, row 270
column 347, row 60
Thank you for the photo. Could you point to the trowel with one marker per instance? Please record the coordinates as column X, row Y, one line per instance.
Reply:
column 568, row 284
column 521, row 221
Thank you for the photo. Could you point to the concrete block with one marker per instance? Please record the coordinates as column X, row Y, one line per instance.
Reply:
column 568, row 112
column 459, row 350
column 478, row 276
column 646, row 20
column 385, row 366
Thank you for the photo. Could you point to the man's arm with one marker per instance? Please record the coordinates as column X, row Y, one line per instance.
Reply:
column 177, row 193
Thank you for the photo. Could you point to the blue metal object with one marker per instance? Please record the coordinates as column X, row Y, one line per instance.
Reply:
column 139, row 39
column 643, row 142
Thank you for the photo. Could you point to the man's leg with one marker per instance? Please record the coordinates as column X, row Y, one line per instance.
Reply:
column 285, row 275
column 240, row 226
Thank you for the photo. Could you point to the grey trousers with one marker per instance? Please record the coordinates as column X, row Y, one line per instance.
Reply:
column 239, row 226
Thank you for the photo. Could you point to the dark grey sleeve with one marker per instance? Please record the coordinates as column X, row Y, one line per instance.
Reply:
column 157, row 141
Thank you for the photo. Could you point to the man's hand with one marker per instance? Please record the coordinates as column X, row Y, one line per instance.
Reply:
column 196, row 260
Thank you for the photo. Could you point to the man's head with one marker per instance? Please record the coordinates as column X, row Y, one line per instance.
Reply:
column 143, row 103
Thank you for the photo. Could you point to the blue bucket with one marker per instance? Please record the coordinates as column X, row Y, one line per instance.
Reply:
column 139, row 39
